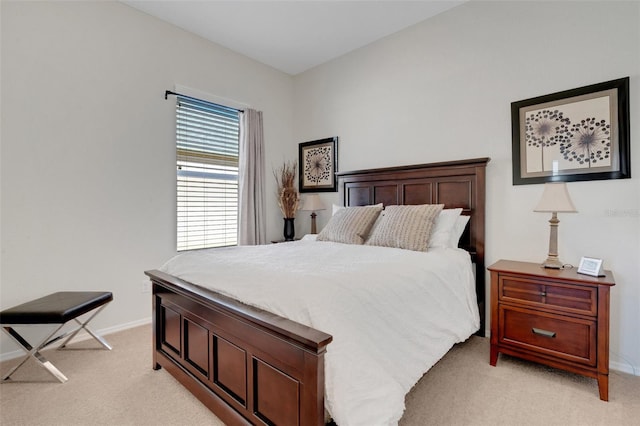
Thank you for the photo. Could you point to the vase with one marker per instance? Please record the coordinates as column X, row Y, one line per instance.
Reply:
column 289, row 230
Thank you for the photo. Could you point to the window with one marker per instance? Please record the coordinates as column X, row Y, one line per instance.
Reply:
column 207, row 174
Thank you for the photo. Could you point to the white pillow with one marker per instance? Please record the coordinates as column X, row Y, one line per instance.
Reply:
column 443, row 227
column 458, row 230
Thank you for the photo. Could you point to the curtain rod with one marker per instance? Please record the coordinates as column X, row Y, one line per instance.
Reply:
column 169, row 92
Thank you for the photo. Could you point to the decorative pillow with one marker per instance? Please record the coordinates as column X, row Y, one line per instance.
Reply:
column 350, row 225
column 458, row 230
column 442, row 227
column 406, row 227
column 336, row 208
column 377, row 222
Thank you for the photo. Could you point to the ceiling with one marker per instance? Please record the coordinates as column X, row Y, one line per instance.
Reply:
column 292, row 36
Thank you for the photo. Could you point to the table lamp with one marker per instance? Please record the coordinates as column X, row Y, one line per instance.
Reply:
column 313, row 203
column 555, row 198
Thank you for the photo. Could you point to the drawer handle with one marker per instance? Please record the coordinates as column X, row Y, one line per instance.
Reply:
column 544, row 333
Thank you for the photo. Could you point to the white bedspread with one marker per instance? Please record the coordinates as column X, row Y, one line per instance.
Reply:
column 392, row 313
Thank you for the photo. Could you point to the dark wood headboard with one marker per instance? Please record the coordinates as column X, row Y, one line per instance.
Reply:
column 453, row 183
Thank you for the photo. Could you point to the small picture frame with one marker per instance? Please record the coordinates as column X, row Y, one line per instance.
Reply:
column 591, row 266
column 318, row 164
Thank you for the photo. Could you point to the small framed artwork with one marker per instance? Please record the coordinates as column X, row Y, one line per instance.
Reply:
column 317, row 163
column 574, row 135
column 591, row 266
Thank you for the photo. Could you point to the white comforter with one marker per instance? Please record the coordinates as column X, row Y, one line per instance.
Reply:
column 392, row 313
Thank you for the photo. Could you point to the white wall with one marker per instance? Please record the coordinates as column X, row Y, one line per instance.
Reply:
column 87, row 149
column 88, row 146
column 442, row 90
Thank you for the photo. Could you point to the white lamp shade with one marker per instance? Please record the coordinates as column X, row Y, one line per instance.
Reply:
column 313, row 203
column 555, row 198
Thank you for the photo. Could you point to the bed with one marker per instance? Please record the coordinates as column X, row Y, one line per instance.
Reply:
column 261, row 362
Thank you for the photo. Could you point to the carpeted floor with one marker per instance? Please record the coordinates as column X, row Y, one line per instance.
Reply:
column 119, row 388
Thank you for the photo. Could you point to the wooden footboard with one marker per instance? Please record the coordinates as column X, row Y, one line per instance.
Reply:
column 246, row 365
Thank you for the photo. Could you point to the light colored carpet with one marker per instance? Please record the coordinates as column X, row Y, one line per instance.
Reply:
column 119, row 388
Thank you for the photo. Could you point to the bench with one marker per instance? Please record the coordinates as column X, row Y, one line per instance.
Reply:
column 55, row 309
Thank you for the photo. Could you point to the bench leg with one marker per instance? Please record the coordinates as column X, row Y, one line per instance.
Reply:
column 83, row 326
column 34, row 352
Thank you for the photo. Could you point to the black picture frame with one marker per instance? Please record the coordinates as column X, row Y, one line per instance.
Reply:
column 585, row 132
column 317, row 165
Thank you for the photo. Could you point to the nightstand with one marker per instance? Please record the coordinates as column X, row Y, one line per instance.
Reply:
column 556, row 317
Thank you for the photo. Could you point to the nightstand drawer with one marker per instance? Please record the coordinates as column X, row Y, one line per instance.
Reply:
column 572, row 339
column 549, row 294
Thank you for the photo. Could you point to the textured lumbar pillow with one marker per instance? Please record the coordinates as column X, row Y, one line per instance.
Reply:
column 406, row 227
column 350, row 225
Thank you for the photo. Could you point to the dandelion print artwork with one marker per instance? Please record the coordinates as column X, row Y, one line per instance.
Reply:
column 545, row 128
column 590, row 143
column 563, row 138
column 317, row 164
column 574, row 135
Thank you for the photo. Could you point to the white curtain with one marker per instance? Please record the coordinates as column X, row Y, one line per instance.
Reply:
column 251, row 180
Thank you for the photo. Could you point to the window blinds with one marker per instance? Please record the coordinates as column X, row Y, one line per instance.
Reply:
column 207, row 174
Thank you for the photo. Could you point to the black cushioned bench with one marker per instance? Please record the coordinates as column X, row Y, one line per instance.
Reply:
column 57, row 308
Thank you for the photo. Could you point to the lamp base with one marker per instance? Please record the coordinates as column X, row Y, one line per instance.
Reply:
column 553, row 263
column 314, row 230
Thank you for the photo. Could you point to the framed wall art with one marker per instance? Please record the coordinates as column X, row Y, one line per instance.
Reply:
column 574, row 135
column 317, row 163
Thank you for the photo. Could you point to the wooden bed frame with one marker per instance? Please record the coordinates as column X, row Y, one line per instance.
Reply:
column 249, row 366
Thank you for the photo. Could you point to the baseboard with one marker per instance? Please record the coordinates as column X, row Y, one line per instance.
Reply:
column 121, row 327
column 625, row 368
column 84, row 336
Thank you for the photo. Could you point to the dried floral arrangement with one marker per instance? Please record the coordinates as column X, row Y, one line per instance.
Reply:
column 288, row 196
